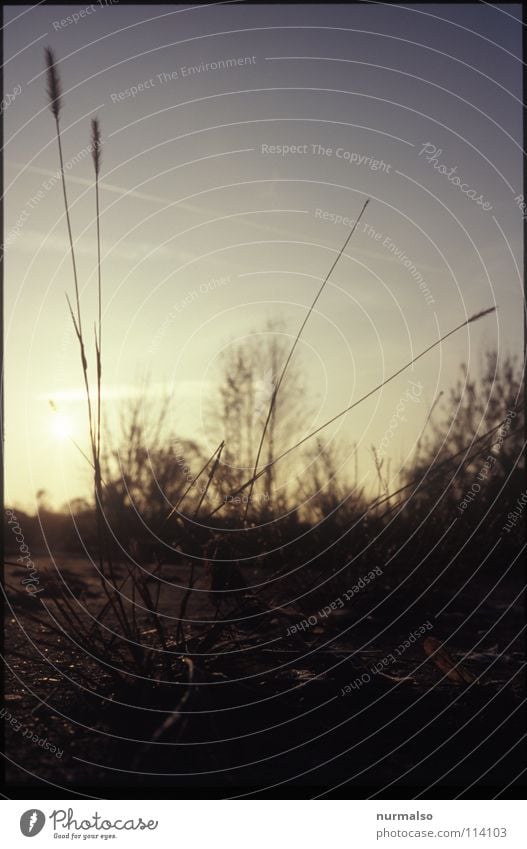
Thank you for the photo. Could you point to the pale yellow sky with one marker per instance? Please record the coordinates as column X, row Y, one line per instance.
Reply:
column 209, row 227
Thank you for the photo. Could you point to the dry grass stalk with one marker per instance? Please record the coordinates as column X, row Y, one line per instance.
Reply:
column 399, row 371
column 54, row 91
column 290, row 356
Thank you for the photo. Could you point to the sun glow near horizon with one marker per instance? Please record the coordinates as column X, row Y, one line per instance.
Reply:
column 61, row 427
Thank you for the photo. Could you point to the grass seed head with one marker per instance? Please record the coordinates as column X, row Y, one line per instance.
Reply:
column 96, row 145
column 54, row 90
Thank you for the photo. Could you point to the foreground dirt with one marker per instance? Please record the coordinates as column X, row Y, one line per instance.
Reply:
column 349, row 699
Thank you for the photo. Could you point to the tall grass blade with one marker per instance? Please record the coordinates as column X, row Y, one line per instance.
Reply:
column 292, row 351
column 335, row 418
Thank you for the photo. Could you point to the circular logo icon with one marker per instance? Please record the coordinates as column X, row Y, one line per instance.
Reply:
column 32, row 822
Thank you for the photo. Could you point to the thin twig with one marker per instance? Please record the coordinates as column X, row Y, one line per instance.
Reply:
column 193, row 481
column 290, row 355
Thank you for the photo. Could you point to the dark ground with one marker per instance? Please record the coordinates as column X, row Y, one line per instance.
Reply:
column 267, row 709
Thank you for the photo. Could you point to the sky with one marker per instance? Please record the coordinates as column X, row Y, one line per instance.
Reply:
column 240, row 143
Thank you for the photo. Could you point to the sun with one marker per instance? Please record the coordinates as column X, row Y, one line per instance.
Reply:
column 61, row 426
